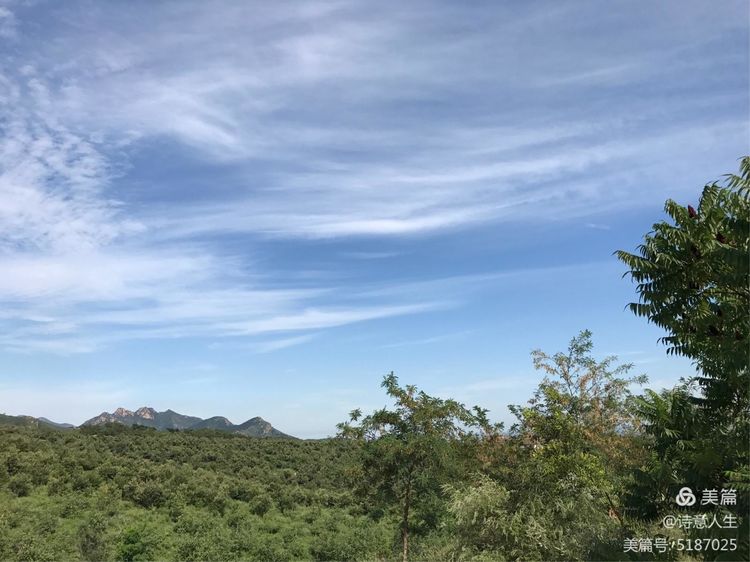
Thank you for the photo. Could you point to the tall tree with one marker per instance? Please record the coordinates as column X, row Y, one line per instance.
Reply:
column 408, row 453
column 693, row 279
column 669, row 420
column 554, row 489
column 581, row 402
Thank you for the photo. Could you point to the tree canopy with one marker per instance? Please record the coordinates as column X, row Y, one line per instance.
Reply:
column 411, row 451
column 693, row 279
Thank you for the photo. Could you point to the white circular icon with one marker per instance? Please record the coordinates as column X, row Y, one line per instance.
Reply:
column 685, row 497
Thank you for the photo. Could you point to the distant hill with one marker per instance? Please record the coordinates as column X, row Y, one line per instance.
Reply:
column 55, row 424
column 217, row 422
column 257, row 427
column 29, row 421
column 254, row 427
column 145, row 416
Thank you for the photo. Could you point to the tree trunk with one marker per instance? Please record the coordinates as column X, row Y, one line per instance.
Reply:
column 405, row 523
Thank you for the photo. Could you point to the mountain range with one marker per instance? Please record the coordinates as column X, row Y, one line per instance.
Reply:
column 169, row 419
column 29, row 421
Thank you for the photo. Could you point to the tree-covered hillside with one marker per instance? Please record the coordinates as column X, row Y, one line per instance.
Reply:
column 114, row 492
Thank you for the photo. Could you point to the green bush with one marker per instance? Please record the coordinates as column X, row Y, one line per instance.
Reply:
column 20, row 485
column 92, row 542
column 136, row 544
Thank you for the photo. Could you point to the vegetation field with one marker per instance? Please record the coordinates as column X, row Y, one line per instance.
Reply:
column 137, row 494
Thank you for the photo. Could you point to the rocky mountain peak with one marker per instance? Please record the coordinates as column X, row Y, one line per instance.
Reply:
column 169, row 419
column 146, row 412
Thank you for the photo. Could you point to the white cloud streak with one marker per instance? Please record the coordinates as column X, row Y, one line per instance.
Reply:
column 315, row 130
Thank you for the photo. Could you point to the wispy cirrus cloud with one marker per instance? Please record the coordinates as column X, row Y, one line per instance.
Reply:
column 7, row 23
column 429, row 340
column 332, row 170
column 269, row 346
column 306, row 128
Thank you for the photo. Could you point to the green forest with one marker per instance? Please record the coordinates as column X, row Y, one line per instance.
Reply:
column 594, row 467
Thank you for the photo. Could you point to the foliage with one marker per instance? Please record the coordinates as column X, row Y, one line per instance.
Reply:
column 92, row 543
column 119, row 493
column 669, row 420
column 409, row 452
column 499, row 524
column 581, row 404
column 553, row 489
column 578, row 427
column 694, row 281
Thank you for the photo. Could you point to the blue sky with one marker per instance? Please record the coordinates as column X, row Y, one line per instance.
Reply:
column 245, row 209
